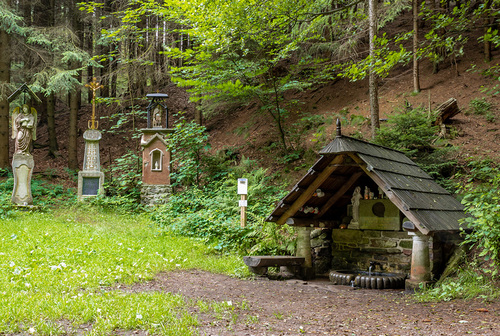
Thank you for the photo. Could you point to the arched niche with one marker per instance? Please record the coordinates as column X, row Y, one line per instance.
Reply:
column 156, row 160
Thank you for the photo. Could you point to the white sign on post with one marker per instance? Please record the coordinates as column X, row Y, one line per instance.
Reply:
column 242, row 186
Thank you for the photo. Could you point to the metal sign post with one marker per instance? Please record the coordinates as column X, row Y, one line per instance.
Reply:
column 243, row 191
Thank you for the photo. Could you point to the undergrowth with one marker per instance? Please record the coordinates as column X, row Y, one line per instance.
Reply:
column 469, row 282
column 412, row 131
column 211, row 213
column 478, row 277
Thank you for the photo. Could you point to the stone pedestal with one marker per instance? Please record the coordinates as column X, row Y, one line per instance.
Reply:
column 91, row 179
column 22, row 166
column 304, row 250
column 420, row 272
column 155, row 194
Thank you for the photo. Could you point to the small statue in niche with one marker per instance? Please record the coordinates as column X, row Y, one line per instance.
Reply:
column 356, row 196
column 24, row 122
column 157, row 117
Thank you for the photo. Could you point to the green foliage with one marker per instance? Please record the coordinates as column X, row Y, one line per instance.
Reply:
column 123, row 120
column 211, row 213
column 413, row 133
column 410, row 131
column 6, row 209
column 122, row 185
column 481, row 106
column 482, row 203
column 385, row 59
column 469, row 283
column 187, row 145
column 45, row 194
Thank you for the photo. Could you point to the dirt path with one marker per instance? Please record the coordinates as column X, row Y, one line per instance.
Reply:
column 293, row 307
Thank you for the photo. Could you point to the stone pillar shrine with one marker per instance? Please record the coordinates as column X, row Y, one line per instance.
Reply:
column 155, row 155
column 24, row 122
column 91, row 179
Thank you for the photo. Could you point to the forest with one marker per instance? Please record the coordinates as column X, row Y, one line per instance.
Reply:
column 255, row 90
column 222, row 51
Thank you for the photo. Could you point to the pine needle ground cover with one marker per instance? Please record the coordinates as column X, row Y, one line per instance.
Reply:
column 60, row 273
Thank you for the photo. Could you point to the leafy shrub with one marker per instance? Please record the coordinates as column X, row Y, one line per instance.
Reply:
column 413, row 133
column 6, row 209
column 45, row 195
column 482, row 203
column 124, row 177
column 211, row 213
column 470, row 282
column 187, row 145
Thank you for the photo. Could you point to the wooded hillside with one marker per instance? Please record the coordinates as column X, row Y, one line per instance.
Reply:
column 267, row 78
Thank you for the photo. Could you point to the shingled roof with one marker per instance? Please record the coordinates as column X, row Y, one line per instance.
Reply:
column 347, row 162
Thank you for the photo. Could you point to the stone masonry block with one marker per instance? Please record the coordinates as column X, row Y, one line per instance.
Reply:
column 395, row 234
column 382, row 243
column 406, row 244
column 346, row 235
column 372, row 233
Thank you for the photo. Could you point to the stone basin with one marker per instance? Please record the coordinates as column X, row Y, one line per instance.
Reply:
column 369, row 280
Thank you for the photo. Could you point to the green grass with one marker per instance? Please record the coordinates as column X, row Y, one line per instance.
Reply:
column 470, row 282
column 60, row 271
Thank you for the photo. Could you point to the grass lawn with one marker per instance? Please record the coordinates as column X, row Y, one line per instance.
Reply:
column 59, row 270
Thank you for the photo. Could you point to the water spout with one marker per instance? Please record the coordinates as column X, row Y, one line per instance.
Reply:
column 372, row 266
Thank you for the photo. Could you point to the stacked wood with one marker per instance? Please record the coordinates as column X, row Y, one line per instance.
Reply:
column 446, row 110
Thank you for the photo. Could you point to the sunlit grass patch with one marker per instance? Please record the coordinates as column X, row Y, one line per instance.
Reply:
column 64, row 267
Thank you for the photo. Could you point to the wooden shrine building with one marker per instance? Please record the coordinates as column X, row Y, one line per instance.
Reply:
column 379, row 207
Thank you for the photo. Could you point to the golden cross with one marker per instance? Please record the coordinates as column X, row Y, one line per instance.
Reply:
column 94, row 86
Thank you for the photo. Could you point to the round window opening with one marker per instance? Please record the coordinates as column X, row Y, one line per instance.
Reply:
column 378, row 209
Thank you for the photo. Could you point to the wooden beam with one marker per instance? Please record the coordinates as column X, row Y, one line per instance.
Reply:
column 348, row 184
column 310, row 222
column 304, row 197
column 390, row 195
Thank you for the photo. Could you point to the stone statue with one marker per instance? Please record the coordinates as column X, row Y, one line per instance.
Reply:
column 356, row 196
column 24, row 122
column 157, row 117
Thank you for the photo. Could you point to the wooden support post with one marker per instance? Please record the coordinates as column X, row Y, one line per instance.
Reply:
column 243, row 207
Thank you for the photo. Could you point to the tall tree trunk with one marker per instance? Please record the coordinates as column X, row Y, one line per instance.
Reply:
column 73, row 130
column 74, row 98
column 373, row 78
column 416, row 77
column 51, row 125
column 4, row 104
column 487, row 24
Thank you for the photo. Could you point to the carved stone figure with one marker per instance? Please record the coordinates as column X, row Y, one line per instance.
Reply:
column 24, row 128
column 356, row 196
column 157, row 117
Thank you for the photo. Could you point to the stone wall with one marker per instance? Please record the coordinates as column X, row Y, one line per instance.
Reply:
column 155, row 194
column 321, row 248
column 355, row 249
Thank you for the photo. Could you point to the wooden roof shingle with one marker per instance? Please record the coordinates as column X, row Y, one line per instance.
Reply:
column 429, row 206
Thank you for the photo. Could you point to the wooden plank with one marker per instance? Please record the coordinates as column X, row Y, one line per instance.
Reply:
column 390, row 195
column 310, row 222
column 273, row 261
column 311, row 189
column 339, row 193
